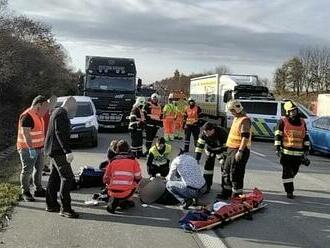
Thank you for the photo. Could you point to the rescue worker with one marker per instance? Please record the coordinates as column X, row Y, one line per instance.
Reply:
column 136, row 125
column 158, row 162
column 214, row 138
column 292, row 145
column 185, row 179
column 122, row 177
column 191, row 117
column 153, row 112
column 180, row 110
column 30, row 144
column 238, row 151
column 169, row 112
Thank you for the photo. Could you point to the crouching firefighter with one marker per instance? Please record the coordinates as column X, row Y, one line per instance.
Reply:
column 153, row 113
column 212, row 139
column 136, row 125
column 158, row 162
column 292, row 145
column 238, row 151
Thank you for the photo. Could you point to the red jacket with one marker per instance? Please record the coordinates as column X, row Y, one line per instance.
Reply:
column 121, row 177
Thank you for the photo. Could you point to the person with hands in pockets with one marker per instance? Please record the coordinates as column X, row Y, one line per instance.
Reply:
column 57, row 147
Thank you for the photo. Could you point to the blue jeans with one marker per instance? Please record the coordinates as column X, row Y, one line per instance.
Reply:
column 31, row 168
column 181, row 192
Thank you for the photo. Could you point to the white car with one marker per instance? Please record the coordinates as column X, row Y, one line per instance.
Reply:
column 84, row 126
column 265, row 114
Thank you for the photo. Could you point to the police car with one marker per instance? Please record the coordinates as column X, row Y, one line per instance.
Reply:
column 265, row 114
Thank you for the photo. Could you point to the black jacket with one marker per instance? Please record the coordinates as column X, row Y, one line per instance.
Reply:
column 58, row 135
column 214, row 144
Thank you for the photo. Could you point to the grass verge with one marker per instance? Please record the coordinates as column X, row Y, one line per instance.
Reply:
column 9, row 186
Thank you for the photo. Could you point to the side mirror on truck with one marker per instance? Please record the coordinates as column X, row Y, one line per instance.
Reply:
column 227, row 96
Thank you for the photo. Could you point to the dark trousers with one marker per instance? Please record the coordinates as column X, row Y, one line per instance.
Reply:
column 290, row 168
column 151, row 132
column 137, row 142
column 233, row 173
column 123, row 202
column 163, row 170
column 188, row 131
column 60, row 180
column 209, row 170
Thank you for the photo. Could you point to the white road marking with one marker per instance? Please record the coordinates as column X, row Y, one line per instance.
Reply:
column 314, row 214
column 259, row 154
column 210, row 239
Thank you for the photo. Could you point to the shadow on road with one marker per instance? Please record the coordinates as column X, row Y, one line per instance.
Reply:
column 308, row 216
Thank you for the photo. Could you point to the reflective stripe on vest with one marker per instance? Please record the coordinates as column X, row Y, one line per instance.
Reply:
column 169, row 110
column 293, row 136
column 37, row 132
column 192, row 115
column 156, row 111
column 160, row 159
column 234, row 137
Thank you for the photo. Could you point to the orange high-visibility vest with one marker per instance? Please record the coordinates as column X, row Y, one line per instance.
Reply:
column 37, row 133
column 293, row 136
column 192, row 115
column 121, row 177
column 234, row 137
column 156, row 111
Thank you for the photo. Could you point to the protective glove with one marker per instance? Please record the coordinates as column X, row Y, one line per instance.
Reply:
column 69, row 157
column 278, row 151
column 305, row 161
column 33, row 153
column 238, row 155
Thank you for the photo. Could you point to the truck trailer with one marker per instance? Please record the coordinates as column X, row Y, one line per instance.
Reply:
column 323, row 105
column 212, row 92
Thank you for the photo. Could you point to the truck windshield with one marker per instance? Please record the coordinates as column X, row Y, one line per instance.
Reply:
column 110, row 83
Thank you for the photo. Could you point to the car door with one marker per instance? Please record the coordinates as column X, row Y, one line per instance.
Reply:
column 264, row 118
column 326, row 136
column 317, row 133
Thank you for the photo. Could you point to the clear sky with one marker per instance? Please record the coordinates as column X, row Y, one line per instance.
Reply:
column 248, row 36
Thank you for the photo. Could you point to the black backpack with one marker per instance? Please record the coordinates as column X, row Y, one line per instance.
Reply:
column 90, row 177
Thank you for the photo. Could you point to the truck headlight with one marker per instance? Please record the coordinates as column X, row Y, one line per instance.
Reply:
column 88, row 124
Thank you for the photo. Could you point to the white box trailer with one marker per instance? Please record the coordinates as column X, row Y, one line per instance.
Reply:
column 323, row 105
column 212, row 92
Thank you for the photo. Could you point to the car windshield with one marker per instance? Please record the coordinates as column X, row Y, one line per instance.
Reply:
column 307, row 111
column 84, row 109
column 110, row 83
column 260, row 108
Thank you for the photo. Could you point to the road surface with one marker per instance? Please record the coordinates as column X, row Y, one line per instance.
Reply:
column 302, row 222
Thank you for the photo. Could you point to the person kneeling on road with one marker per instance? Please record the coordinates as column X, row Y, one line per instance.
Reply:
column 158, row 162
column 185, row 179
column 122, row 177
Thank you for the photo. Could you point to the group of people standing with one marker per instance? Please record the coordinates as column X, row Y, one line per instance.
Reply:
column 230, row 150
column 44, row 130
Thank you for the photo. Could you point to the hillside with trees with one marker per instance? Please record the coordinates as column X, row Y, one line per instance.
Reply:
column 32, row 62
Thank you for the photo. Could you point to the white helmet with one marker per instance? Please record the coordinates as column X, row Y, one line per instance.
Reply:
column 190, row 99
column 171, row 96
column 140, row 101
column 154, row 96
column 235, row 105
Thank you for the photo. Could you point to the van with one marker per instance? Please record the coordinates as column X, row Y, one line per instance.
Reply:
column 265, row 115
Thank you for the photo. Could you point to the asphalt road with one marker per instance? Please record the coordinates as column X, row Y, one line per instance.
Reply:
column 302, row 222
